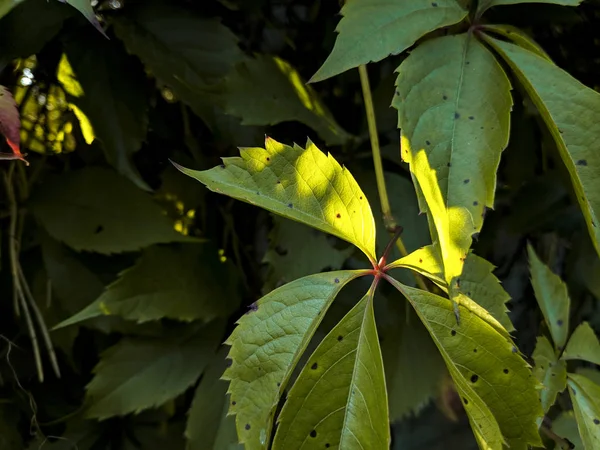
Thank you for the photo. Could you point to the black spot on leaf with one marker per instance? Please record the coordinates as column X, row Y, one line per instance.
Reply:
column 327, row 445
column 434, row 5
column 278, row 181
column 428, row 143
column 597, row 422
column 465, row 401
column 581, row 162
column 314, row 366
column 313, row 434
column 445, row 97
column 474, row 378
column 449, row 164
column 559, row 322
column 234, row 403
column 268, row 159
column 228, row 362
column 466, row 181
column 361, row 197
column 340, row 338
column 281, row 251
column 222, row 166
column 99, row 229
column 421, row 261
column 475, row 203
column 290, row 205
column 278, row 384
column 456, row 115
column 247, row 427
column 471, row 118
column 338, row 215
column 253, row 307
column 505, row 371
column 474, row 350
column 453, row 332
column 337, row 280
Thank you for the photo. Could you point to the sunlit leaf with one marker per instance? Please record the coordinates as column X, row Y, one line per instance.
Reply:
column 453, row 102
column 85, row 8
column 583, row 344
column 585, row 395
column 97, row 210
column 10, row 124
column 552, row 296
column 347, row 370
column 208, row 426
column 267, row 344
column 184, row 284
column 115, row 101
column 370, row 31
column 184, row 51
column 137, row 374
column 301, row 184
column 296, row 250
column 518, row 37
column 574, row 125
column 268, row 90
column 486, row 4
column 550, row 371
column 477, row 281
column 486, row 369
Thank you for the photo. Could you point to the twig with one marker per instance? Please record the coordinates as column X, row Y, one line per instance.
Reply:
column 12, row 236
column 562, row 443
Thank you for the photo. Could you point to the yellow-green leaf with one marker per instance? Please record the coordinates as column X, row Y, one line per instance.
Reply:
column 571, row 112
column 347, row 370
column 486, row 368
column 552, row 296
column 454, row 103
column 583, row 344
column 301, row 184
column 518, row 37
column 550, row 371
column 486, row 4
column 370, row 31
column 267, row 344
column 585, row 395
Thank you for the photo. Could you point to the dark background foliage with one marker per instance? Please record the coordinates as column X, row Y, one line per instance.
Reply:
column 151, row 101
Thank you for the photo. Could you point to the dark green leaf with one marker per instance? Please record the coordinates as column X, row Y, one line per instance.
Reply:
column 585, row 395
column 583, row 344
column 97, row 210
column 267, row 344
column 518, row 37
column 370, row 31
column 550, row 371
column 486, row 4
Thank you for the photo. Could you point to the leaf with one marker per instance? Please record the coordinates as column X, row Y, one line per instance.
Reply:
column 267, row 344
column 552, row 296
column 296, row 250
column 486, row 369
column 484, row 5
column 186, row 284
column 186, row 52
column 585, row 395
column 10, row 124
column 583, row 344
column 370, row 31
column 550, row 371
column 477, row 281
column 85, row 8
column 207, row 425
column 565, row 426
column 115, row 101
column 518, row 37
column 267, row 90
column 454, row 103
column 573, row 125
column 95, row 209
column 137, row 374
column 301, row 184
column 347, row 370
column 7, row 5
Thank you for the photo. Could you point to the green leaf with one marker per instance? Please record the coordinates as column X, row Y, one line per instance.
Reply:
column 7, row 5
column 301, row 184
column 477, row 281
column 486, row 369
column 573, row 125
column 296, row 250
column 370, row 31
column 115, row 101
column 267, row 90
column 184, row 51
column 585, row 395
column 347, row 369
column 97, row 210
column 583, row 344
column 454, row 103
column 484, row 5
column 550, row 371
column 85, row 8
column 518, row 37
column 268, row 343
column 552, row 296
column 137, row 374
column 565, row 426
column 184, row 284
column 207, row 426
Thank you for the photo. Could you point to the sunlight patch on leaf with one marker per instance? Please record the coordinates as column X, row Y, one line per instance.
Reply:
column 583, row 345
column 300, row 184
column 372, row 31
column 347, row 370
column 267, row 344
column 484, row 5
column 550, row 371
column 585, row 395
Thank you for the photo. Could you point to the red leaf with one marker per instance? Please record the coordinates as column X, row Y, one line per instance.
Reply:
column 10, row 124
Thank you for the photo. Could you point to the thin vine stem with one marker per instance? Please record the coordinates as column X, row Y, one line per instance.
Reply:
column 388, row 218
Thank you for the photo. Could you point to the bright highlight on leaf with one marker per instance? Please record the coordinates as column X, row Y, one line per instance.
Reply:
column 267, row 344
column 550, row 371
column 574, row 125
column 486, row 368
column 341, row 390
column 370, row 31
column 552, row 296
column 454, row 103
column 301, row 184
column 583, row 345
column 585, row 395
